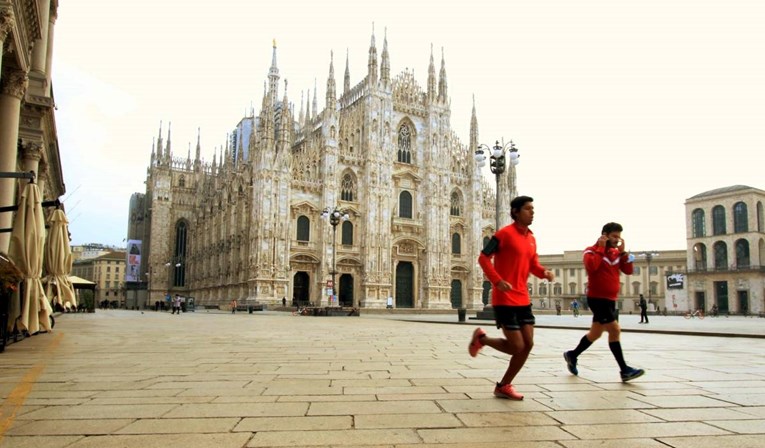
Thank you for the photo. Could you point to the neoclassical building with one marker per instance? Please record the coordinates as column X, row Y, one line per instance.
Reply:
column 28, row 137
column 726, row 249
column 248, row 225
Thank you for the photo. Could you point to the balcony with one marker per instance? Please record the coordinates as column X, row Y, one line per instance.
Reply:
column 731, row 268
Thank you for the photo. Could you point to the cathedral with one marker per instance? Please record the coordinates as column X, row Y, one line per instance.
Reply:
column 413, row 207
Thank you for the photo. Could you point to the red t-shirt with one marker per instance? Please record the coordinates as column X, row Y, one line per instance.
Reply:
column 603, row 268
column 514, row 252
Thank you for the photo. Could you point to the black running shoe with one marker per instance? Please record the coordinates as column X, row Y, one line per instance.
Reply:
column 631, row 374
column 570, row 363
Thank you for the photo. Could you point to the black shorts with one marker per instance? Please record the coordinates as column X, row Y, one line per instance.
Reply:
column 603, row 310
column 513, row 317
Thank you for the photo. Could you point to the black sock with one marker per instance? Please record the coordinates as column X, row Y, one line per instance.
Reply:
column 616, row 349
column 584, row 344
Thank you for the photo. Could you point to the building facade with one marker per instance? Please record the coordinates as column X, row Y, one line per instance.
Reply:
column 28, row 137
column 107, row 271
column 726, row 249
column 248, row 225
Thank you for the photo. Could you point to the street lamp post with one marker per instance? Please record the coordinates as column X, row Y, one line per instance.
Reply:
column 497, row 167
column 336, row 216
column 648, row 257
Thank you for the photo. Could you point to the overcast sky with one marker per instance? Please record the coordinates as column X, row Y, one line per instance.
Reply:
column 621, row 109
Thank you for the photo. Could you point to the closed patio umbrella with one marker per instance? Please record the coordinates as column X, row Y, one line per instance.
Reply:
column 58, row 261
column 26, row 251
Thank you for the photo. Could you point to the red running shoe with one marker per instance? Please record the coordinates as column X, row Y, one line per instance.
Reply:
column 475, row 343
column 507, row 391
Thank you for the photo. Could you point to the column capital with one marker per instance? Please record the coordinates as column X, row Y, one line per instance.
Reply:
column 6, row 22
column 14, row 83
column 31, row 150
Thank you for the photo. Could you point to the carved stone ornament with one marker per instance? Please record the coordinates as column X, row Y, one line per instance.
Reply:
column 6, row 23
column 31, row 150
column 14, row 83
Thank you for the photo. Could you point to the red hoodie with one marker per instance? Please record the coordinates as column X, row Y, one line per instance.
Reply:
column 603, row 267
column 514, row 256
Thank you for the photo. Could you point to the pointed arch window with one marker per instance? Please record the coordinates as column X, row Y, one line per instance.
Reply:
column 303, row 228
column 348, row 188
column 718, row 220
column 721, row 256
column 699, row 229
column 742, row 254
column 347, row 233
column 456, row 244
column 405, row 205
column 740, row 218
column 404, row 144
column 178, row 264
column 456, row 208
column 181, row 181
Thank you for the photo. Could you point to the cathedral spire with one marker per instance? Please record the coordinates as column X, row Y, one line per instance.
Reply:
column 385, row 65
column 286, row 120
column 473, row 129
column 372, row 64
column 168, row 153
column 160, row 152
column 301, row 117
column 273, row 78
column 347, row 80
column 307, row 106
column 315, row 110
column 331, row 94
column 431, row 77
column 442, row 85
column 199, row 145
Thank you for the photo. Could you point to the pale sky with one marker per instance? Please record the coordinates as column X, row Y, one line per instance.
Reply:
column 621, row 109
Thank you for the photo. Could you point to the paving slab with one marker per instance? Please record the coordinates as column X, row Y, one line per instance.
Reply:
column 271, row 379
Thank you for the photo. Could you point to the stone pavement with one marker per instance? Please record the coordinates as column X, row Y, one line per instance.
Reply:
column 132, row 379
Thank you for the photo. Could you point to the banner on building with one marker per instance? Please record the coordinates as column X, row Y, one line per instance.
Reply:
column 133, row 272
column 675, row 281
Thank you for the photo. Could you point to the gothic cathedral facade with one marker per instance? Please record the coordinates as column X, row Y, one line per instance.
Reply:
column 249, row 226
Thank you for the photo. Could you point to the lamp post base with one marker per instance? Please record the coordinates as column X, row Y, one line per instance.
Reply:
column 487, row 313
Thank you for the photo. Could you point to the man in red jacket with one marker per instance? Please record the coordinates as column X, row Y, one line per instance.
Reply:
column 514, row 251
column 604, row 262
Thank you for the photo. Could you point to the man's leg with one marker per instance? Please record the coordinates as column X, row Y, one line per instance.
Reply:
column 523, row 342
column 596, row 330
column 614, row 332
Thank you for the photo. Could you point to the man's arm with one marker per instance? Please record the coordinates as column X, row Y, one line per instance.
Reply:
column 485, row 260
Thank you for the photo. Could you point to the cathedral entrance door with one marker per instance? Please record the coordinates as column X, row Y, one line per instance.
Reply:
column 346, row 290
column 456, row 294
column 405, row 285
column 301, row 288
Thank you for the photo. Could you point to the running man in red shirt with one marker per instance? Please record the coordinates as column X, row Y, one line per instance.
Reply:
column 604, row 262
column 514, row 252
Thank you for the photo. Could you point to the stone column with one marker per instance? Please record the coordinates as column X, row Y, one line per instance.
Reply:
column 6, row 26
column 40, row 50
column 12, row 88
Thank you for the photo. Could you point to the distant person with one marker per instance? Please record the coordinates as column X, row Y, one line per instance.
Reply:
column 558, row 308
column 507, row 259
column 575, row 308
column 233, row 306
column 715, row 310
column 603, row 262
column 284, row 302
column 177, row 304
column 643, row 310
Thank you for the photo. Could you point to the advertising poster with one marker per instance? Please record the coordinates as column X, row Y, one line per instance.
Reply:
column 133, row 273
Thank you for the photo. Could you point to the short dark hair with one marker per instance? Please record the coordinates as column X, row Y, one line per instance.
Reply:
column 518, row 203
column 612, row 227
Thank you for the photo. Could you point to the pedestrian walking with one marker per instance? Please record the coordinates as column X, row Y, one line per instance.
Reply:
column 643, row 310
column 508, row 258
column 233, row 306
column 177, row 305
column 603, row 262
column 575, row 308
